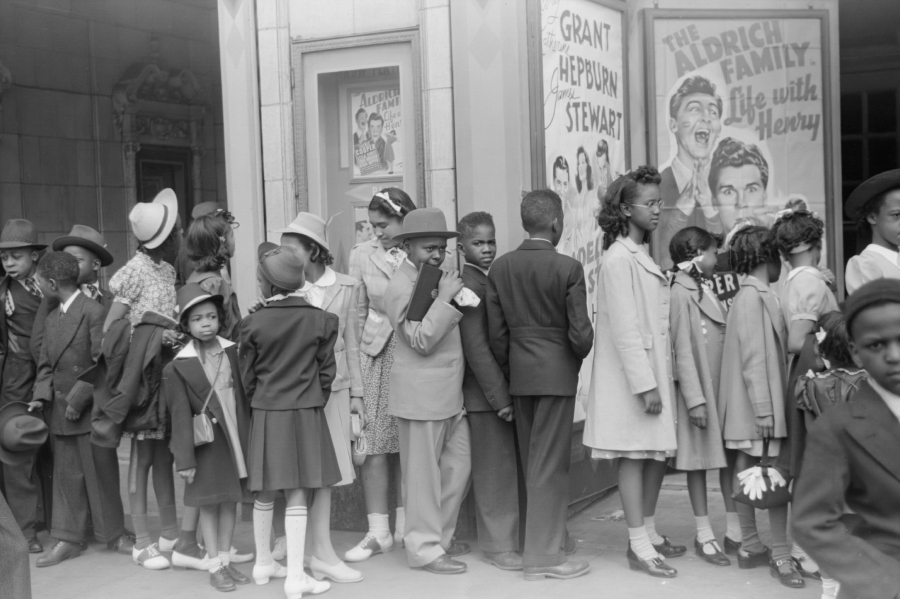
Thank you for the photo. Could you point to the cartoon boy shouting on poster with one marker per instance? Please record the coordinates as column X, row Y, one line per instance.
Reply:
column 695, row 113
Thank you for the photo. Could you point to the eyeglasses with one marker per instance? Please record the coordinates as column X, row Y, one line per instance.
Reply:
column 650, row 205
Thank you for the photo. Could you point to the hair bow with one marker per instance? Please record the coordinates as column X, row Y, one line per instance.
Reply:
column 821, row 334
column 382, row 195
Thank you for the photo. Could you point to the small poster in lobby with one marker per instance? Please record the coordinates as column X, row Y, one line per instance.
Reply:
column 377, row 132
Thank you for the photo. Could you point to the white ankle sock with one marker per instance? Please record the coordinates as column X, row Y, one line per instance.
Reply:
column 213, row 564
column 733, row 526
column 379, row 525
column 704, row 529
column 400, row 523
column 225, row 557
column 830, row 588
column 295, row 530
column 640, row 543
column 262, row 531
column 650, row 525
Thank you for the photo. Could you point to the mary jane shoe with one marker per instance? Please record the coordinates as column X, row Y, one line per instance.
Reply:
column 716, row 557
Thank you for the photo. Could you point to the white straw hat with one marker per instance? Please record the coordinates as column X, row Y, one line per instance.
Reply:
column 309, row 225
column 152, row 222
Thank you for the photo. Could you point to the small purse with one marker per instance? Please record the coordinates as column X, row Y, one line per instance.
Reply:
column 203, row 428
column 769, row 495
column 359, row 441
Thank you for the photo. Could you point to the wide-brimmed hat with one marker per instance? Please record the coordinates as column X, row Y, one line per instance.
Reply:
column 19, row 233
column 204, row 208
column 309, row 225
column 152, row 222
column 192, row 294
column 870, row 188
column 425, row 222
column 89, row 239
column 264, row 247
column 21, row 433
column 283, row 267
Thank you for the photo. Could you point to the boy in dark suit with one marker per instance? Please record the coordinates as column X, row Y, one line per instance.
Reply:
column 74, row 332
column 539, row 333
column 852, row 459
column 20, row 299
column 488, row 405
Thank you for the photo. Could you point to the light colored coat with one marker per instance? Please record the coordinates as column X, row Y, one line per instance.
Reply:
column 427, row 375
column 632, row 354
column 368, row 265
column 342, row 300
column 753, row 363
column 698, row 336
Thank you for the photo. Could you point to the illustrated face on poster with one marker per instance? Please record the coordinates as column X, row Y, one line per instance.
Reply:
column 739, row 105
column 377, row 133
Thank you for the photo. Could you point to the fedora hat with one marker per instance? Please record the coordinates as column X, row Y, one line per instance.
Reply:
column 308, row 225
column 89, row 239
column 21, row 433
column 870, row 188
column 152, row 222
column 425, row 222
column 19, row 233
column 204, row 208
column 264, row 247
column 192, row 294
column 283, row 267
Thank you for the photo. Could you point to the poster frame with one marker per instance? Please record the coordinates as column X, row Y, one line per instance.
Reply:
column 652, row 15
column 346, row 124
column 536, row 87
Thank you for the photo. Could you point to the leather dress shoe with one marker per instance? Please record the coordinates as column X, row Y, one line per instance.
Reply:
column 508, row 560
column 60, row 552
column 221, row 581
column 752, row 560
column 667, row 549
column 716, row 558
column 656, row 567
column 731, row 547
column 570, row 569
column 236, row 575
column 786, row 573
column 445, row 565
column 456, row 549
column 34, row 546
column 122, row 545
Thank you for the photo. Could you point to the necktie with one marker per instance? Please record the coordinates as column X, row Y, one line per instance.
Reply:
column 33, row 288
column 89, row 290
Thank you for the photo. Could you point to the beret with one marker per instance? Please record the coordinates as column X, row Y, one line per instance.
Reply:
column 879, row 291
column 868, row 189
column 283, row 267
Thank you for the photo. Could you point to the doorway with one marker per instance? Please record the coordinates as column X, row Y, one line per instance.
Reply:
column 160, row 167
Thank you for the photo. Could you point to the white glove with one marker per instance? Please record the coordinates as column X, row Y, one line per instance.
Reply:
column 776, row 478
column 467, row 298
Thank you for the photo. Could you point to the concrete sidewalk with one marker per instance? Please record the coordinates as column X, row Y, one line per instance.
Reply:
column 100, row 574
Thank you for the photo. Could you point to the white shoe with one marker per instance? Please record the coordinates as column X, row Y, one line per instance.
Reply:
column 294, row 589
column 369, row 546
column 398, row 538
column 165, row 545
column 198, row 561
column 279, row 551
column 340, row 572
column 262, row 573
column 241, row 558
column 150, row 558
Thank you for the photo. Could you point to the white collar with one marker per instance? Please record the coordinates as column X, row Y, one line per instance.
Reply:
column 796, row 271
column 484, row 270
column 189, row 351
column 328, row 278
column 280, row 296
column 892, row 256
column 682, row 173
column 63, row 308
column 891, row 399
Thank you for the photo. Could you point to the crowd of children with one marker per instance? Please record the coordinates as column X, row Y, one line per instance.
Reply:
column 329, row 372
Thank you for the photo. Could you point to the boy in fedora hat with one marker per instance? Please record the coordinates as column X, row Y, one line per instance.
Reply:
column 74, row 331
column 426, row 397
column 21, row 435
column 875, row 206
column 21, row 299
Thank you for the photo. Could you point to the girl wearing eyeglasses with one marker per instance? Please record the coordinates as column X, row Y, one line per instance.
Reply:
column 630, row 407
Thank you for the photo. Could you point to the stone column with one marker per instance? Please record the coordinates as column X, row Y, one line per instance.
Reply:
column 129, row 155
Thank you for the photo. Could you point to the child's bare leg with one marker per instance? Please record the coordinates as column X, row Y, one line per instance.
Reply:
column 225, row 532
column 190, row 517
column 726, row 482
column 631, row 491
column 209, row 527
column 375, row 483
column 654, row 472
column 696, row 482
column 318, row 539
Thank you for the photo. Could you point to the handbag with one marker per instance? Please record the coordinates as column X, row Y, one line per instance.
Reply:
column 203, row 428
column 359, row 441
column 770, row 495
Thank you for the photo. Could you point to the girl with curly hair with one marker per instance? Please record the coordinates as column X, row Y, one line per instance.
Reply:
column 630, row 407
column 210, row 245
column 697, row 321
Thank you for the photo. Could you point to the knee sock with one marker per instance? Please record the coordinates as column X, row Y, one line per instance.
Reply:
column 830, row 588
column 262, row 532
column 141, row 531
column 704, row 529
column 400, row 523
column 379, row 525
column 295, row 529
column 187, row 538
column 750, row 542
column 278, row 516
column 650, row 525
column 733, row 526
column 640, row 543
column 168, row 521
column 225, row 557
column 778, row 521
column 213, row 564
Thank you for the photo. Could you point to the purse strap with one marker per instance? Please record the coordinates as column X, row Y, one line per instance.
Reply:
column 212, row 387
column 764, row 459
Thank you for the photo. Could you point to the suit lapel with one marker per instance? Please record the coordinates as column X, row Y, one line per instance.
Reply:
column 710, row 308
column 66, row 328
column 193, row 374
column 876, row 429
column 643, row 258
column 331, row 292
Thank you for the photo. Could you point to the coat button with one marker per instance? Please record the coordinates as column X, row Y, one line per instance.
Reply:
column 75, row 369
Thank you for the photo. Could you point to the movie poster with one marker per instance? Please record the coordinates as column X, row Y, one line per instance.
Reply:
column 377, row 146
column 739, row 110
column 584, row 89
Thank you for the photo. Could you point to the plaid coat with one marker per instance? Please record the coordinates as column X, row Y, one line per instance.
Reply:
column 368, row 265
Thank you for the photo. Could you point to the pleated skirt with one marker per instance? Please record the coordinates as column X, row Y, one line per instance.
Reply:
column 337, row 413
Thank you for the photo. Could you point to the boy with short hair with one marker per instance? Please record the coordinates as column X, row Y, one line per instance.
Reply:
column 488, row 406
column 74, row 333
column 539, row 333
column 875, row 206
column 21, row 298
column 427, row 399
column 852, row 459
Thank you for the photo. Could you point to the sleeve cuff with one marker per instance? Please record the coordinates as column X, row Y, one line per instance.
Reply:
column 803, row 317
